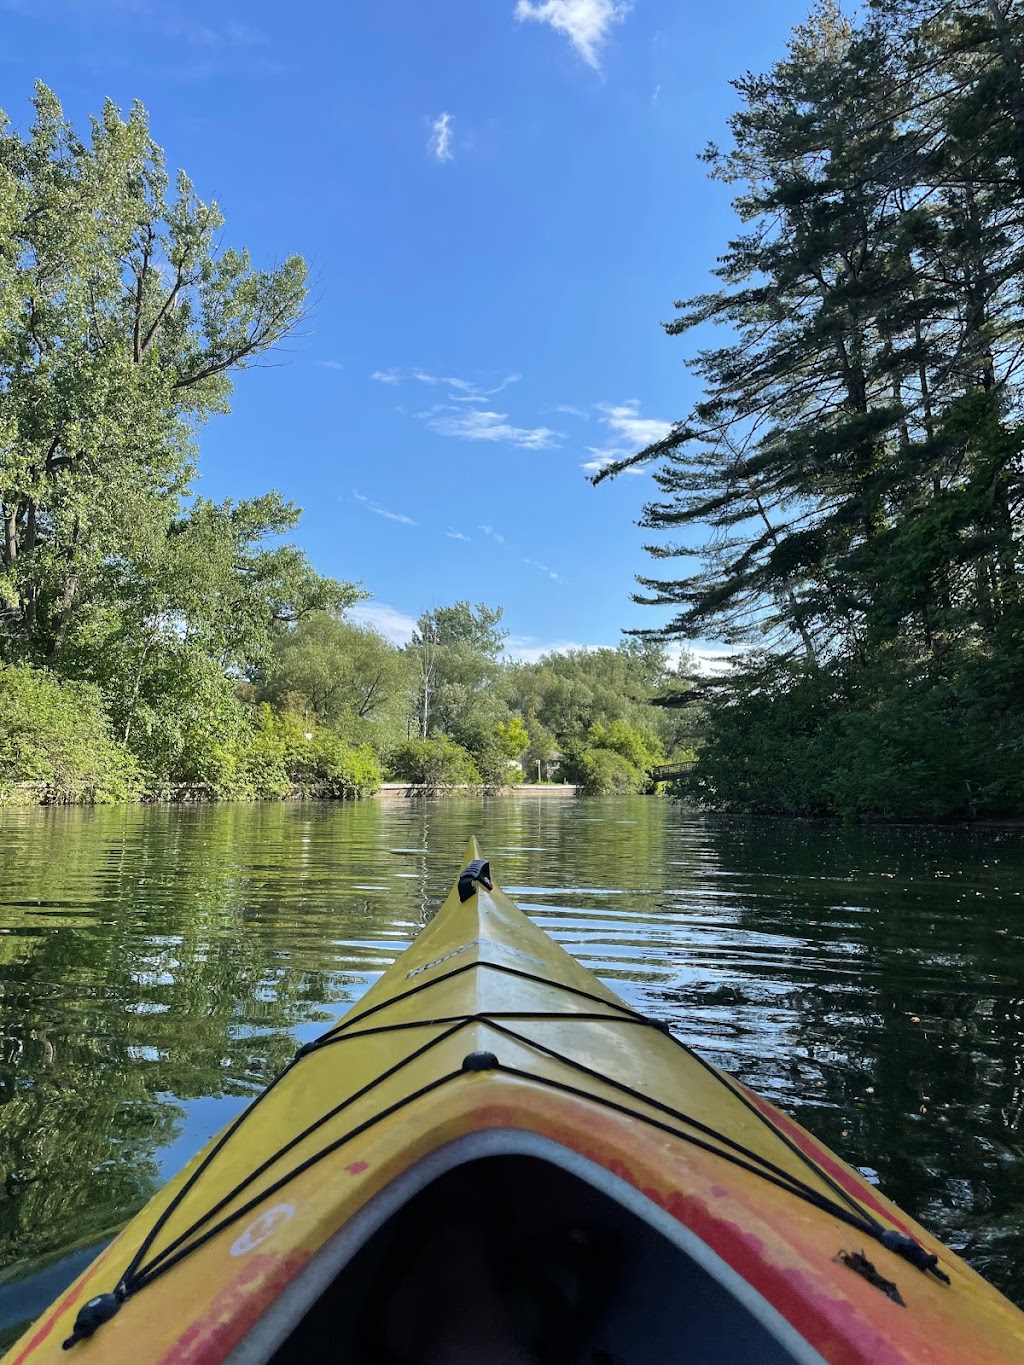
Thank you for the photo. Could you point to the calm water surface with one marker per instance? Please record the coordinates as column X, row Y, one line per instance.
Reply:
column 157, row 967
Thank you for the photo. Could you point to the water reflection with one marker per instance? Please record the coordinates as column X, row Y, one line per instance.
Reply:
column 157, row 967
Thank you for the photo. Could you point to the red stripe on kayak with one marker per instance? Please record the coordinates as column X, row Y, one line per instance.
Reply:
column 238, row 1306
column 828, row 1162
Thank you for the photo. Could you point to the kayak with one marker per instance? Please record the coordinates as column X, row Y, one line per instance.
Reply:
column 493, row 1158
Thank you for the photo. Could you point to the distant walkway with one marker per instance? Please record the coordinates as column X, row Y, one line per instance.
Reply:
column 395, row 790
column 668, row 772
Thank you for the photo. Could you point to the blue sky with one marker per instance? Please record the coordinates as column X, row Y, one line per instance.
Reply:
column 499, row 201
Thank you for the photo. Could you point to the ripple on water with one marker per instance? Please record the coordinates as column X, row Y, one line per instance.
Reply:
column 158, row 965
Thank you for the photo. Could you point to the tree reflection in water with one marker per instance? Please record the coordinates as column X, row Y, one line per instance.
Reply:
column 158, row 965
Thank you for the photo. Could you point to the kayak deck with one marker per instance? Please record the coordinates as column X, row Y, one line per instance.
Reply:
column 488, row 1059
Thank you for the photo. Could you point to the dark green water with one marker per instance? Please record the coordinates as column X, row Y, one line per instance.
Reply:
column 158, row 965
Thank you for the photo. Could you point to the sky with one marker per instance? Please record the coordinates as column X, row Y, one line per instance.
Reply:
column 499, row 201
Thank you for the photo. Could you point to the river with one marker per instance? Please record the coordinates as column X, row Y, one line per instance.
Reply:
column 158, row 965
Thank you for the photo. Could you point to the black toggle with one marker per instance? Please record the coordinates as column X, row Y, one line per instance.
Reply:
column 479, row 870
column 479, row 1061
column 912, row 1251
column 92, row 1315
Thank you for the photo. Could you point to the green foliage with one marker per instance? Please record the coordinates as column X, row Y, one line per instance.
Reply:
column 638, row 745
column 55, row 736
column 564, row 694
column 347, row 677
column 890, row 742
column 437, row 764
column 513, row 736
column 602, row 772
column 854, row 463
column 282, row 754
column 122, row 320
column 459, row 680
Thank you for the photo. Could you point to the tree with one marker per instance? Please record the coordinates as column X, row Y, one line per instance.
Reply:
column 347, row 676
column 456, row 651
column 566, row 693
column 121, row 321
column 857, row 451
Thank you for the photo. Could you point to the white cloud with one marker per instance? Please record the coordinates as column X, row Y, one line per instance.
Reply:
column 457, row 535
column 526, row 649
column 467, row 391
column 632, row 433
column 601, row 458
column 638, row 432
column 476, row 424
column 331, row 365
column 573, row 412
column 382, row 511
column 393, row 624
column 536, row 564
column 584, row 22
column 490, row 531
column 440, row 143
column 463, row 390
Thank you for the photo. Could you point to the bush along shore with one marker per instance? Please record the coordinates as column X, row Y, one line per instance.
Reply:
column 331, row 714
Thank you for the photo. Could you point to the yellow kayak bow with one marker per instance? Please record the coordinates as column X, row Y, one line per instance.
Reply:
column 492, row 1143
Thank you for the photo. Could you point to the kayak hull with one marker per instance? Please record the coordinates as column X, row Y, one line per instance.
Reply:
column 485, row 1041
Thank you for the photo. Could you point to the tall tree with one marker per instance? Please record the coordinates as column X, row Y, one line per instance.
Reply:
column 855, row 451
column 456, row 650
column 121, row 322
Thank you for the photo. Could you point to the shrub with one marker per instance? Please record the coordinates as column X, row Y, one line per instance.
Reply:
column 498, row 772
column 286, row 755
column 638, row 745
column 342, row 772
column 56, row 736
column 437, row 764
column 601, row 772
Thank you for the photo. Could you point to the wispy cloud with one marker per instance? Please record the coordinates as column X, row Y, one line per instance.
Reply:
column 393, row 624
column 156, row 16
column 382, row 511
column 476, row 424
column 440, row 142
column 456, row 535
column 585, row 23
column 208, row 37
column 573, row 412
column 331, row 365
column 536, row 564
column 631, row 433
column 490, row 531
column 466, row 390
column 460, row 390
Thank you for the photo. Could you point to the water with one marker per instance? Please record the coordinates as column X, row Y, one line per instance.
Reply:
column 157, row 967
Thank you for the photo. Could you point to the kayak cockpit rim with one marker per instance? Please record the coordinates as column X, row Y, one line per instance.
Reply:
column 273, row 1329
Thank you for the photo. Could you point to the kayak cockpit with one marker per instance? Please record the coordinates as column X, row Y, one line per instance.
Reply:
column 515, row 1258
